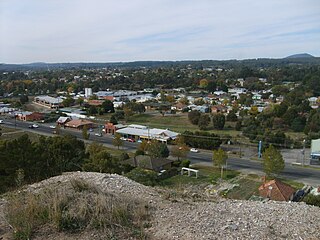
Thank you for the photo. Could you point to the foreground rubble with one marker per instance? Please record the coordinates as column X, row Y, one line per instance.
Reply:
column 187, row 218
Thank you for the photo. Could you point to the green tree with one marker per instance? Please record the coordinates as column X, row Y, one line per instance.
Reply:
column 157, row 150
column 204, row 121
column 101, row 161
column 273, row 162
column 117, row 140
column 107, row 106
column 113, row 119
column 219, row 159
column 194, row 117
column 85, row 133
column 218, row 121
column 67, row 102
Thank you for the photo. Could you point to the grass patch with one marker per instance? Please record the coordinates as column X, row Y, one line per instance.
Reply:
column 296, row 185
column 14, row 135
column 73, row 208
column 208, row 175
column 175, row 122
column 7, row 130
column 247, row 187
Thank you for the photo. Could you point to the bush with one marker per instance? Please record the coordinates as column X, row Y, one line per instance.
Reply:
column 311, row 199
column 185, row 163
column 72, row 208
column 145, row 177
column 139, row 152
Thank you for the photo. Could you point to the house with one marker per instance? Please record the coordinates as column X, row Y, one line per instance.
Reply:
column 146, row 162
column 178, row 106
column 111, row 128
column 79, row 124
column 63, row 120
column 219, row 109
column 276, row 190
column 30, row 116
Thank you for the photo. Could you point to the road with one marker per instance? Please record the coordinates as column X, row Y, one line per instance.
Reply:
column 306, row 175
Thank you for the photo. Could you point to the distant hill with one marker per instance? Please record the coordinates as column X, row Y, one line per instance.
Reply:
column 301, row 55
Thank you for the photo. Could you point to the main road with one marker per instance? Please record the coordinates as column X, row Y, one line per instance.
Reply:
column 306, row 175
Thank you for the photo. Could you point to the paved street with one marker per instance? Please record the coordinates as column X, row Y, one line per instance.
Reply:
column 306, row 175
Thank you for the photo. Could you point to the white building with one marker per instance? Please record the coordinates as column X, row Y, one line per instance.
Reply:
column 134, row 131
column 88, row 92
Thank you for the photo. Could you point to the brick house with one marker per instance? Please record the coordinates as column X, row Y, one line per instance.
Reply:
column 276, row 190
column 30, row 116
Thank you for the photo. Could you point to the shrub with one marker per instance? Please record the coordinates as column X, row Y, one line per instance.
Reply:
column 185, row 163
column 75, row 207
column 145, row 177
column 312, row 200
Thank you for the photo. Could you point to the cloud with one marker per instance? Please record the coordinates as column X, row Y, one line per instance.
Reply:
column 130, row 30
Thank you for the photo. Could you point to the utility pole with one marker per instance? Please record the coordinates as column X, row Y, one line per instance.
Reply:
column 259, row 149
column 303, row 151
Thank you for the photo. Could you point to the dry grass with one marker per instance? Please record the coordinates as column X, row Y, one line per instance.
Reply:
column 76, row 208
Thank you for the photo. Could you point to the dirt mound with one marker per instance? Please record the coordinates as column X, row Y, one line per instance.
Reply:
column 174, row 215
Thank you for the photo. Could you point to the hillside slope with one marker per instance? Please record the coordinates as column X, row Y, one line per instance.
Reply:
column 184, row 215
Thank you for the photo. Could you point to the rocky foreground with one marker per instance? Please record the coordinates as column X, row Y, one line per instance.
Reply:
column 192, row 216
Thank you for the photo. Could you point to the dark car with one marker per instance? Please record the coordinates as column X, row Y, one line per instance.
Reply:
column 30, row 126
column 298, row 196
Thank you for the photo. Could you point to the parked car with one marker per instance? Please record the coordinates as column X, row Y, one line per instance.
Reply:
column 35, row 125
column 139, row 141
column 1, row 121
column 123, row 138
column 98, row 134
column 52, row 126
column 194, row 150
column 130, row 140
column 90, row 130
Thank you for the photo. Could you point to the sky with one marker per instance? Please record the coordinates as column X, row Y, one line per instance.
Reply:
column 136, row 30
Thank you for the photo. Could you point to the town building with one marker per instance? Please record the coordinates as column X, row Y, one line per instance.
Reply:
column 79, row 124
column 30, row 116
column 48, row 101
column 135, row 131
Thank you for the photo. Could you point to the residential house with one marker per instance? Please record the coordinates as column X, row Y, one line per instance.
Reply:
column 147, row 162
column 276, row 190
column 63, row 120
column 219, row 109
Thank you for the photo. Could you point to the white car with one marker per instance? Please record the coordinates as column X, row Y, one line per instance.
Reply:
column 123, row 139
column 53, row 126
column 98, row 134
column 35, row 125
column 1, row 121
column 194, row 150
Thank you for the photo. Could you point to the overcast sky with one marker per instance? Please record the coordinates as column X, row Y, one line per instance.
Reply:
column 133, row 30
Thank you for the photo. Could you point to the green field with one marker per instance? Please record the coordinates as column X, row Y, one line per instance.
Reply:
column 174, row 122
column 207, row 175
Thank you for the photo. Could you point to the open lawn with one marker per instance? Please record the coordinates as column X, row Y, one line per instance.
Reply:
column 174, row 122
column 247, row 187
column 208, row 175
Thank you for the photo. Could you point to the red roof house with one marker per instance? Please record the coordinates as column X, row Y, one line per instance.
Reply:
column 276, row 190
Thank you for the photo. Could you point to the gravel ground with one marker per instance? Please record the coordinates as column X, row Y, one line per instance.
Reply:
column 203, row 218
